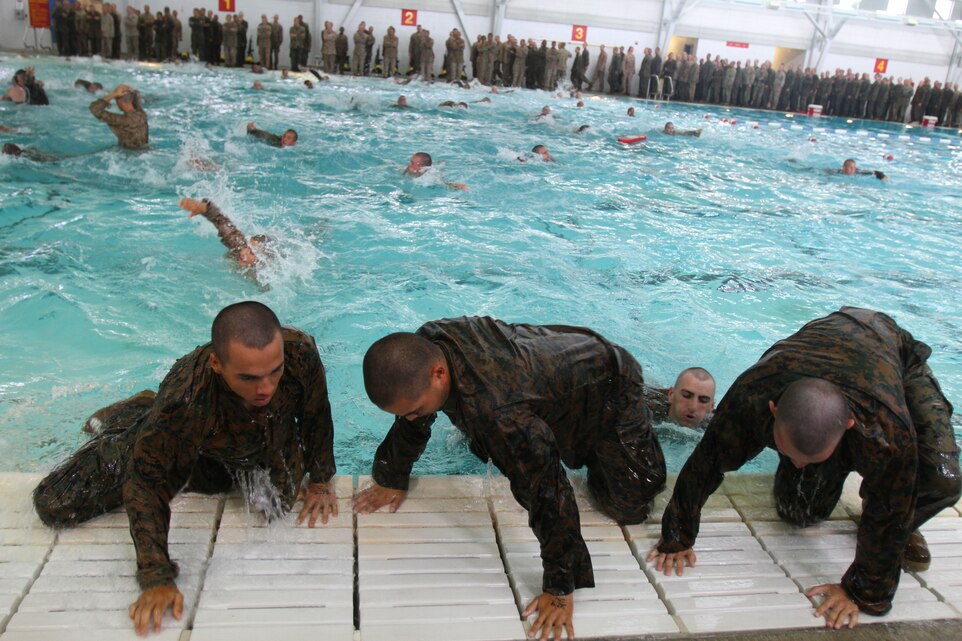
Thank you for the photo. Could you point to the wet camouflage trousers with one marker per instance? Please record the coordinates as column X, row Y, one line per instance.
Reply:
column 807, row 496
column 90, row 482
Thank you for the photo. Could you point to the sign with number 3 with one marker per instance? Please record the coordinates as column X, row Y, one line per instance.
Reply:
column 579, row 33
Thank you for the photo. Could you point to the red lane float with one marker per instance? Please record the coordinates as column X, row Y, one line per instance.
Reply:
column 630, row 140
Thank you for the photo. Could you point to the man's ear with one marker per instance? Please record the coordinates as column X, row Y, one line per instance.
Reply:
column 215, row 364
column 771, row 406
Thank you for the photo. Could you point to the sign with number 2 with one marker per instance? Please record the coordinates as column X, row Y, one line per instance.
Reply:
column 409, row 17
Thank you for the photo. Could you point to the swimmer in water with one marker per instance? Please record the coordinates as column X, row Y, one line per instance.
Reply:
column 92, row 87
column 320, row 78
column 689, row 403
column 545, row 112
column 455, row 105
column 258, row 85
column 10, row 149
column 671, row 131
column 288, row 139
column 631, row 112
column 7, row 130
column 242, row 250
column 850, row 168
column 538, row 151
column 402, row 103
column 419, row 164
column 308, row 84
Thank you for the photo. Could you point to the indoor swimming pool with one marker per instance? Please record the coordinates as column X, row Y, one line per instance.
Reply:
column 687, row 251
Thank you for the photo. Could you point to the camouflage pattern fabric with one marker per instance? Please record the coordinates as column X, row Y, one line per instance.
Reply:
column 130, row 128
column 902, row 443
column 530, row 398
column 195, row 429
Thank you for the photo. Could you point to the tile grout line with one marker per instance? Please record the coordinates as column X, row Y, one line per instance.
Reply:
column 356, row 598
column 211, row 543
column 499, row 541
column 16, row 605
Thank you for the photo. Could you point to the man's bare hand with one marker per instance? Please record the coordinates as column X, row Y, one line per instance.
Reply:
column 554, row 614
column 666, row 561
column 319, row 500
column 837, row 606
column 194, row 206
column 375, row 497
column 151, row 605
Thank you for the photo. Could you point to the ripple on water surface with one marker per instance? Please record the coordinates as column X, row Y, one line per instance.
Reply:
column 686, row 251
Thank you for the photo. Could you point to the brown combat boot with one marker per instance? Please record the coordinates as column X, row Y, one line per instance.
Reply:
column 916, row 556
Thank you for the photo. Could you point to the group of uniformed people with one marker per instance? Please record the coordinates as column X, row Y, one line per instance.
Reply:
column 850, row 391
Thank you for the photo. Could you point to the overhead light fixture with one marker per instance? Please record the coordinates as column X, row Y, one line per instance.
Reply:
column 911, row 21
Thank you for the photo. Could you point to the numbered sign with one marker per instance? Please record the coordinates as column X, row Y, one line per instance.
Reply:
column 881, row 65
column 227, row 6
column 579, row 33
column 39, row 14
column 409, row 17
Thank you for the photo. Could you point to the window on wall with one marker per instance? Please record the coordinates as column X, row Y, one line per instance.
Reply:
column 943, row 9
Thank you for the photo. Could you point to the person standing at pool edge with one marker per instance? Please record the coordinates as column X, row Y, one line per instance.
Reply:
column 528, row 398
column 254, row 398
column 130, row 126
column 851, row 391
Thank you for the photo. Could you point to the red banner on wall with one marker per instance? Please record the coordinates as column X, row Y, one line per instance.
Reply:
column 409, row 17
column 881, row 65
column 739, row 45
column 227, row 6
column 39, row 14
column 579, row 33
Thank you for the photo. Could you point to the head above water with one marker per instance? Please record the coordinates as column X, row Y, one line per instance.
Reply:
column 406, row 375
column 692, row 397
column 669, row 128
column 248, row 351
column 419, row 162
column 542, row 151
column 849, row 167
column 811, row 418
column 289, row 138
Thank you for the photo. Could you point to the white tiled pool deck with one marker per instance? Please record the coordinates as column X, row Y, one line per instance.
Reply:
column 457, row 562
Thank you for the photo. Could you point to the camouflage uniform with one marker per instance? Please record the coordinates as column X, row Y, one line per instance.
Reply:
column 267, row 137
column 529, row 398
column 230, row 236
column 902, row 444
column 192, row 432
column 130, row 128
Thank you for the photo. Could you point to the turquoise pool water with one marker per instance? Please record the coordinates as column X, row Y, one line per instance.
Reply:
column 686, row 251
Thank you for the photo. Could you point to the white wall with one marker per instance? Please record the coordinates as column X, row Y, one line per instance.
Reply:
column 912, row 51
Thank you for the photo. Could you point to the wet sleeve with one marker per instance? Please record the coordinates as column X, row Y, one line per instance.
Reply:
column 731, row 439
column 400, row 449
column 99, row 110
column 889, row 492
column 526, row 452
column 160, row 465
column 317, row 425
column 230, row 236
column 271, row 139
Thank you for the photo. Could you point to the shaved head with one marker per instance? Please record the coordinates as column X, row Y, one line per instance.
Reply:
column 398, row 367
column 813, row 414
column 249, row 323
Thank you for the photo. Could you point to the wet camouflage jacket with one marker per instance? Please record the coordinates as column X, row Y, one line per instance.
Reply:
column 196, row 414
column 865, row 353
column 271, row 139
column 528, row 397
column 230, row 236
column 130, row 128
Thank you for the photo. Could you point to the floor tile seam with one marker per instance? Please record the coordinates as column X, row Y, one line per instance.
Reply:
column 211, row 544
column 512, row 582
column 26, row 591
